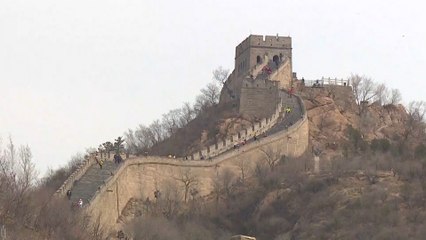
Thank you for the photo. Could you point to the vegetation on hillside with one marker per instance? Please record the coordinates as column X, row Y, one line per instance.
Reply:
column 27, row 207
column 188, row 129
column 372, row 190
column 370, row 185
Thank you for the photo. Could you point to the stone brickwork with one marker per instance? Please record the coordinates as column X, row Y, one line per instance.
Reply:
column 256, row 129
column 82, row 169
column 251, row 55
column 283, row 75
column 258, row 98
column 256, row 47
column 140, row 177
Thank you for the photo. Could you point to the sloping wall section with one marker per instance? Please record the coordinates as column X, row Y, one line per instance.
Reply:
column 140, row 177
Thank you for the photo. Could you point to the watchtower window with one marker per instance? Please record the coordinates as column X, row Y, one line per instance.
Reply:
column 258, row 60
column 276, row 60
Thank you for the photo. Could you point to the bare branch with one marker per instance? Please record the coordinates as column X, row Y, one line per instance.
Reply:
column 220, row 74
column 395, row 97
column 272, row 157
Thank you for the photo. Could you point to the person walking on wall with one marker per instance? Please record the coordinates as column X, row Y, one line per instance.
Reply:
column 69, row 194
column 100, row 162
column 291, row 91
column 288, row 110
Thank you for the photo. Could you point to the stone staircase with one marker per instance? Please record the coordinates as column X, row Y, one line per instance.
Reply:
column 86, row 187
column 288, row 119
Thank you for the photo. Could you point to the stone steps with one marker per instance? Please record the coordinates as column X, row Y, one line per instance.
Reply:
column 89, row 183
column 86, row 187
column 287, row 119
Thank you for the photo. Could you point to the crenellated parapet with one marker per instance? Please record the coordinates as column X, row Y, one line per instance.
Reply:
column 140, row 177
column 252, row 56
column 263, row 68
column 82, row 168
column 256, row 129
column 76, row 175
column 260, row 41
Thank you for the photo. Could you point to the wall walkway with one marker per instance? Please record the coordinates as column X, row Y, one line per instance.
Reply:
column 106, row 192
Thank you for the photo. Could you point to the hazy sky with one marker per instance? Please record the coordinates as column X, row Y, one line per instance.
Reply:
column 74, row 74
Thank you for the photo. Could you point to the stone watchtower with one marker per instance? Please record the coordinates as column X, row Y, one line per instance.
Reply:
column 254, row 90
column 256, row 49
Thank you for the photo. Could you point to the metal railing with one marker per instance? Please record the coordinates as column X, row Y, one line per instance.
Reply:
column 326, row 82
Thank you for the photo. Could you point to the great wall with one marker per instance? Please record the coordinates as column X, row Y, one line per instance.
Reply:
column 260, row 85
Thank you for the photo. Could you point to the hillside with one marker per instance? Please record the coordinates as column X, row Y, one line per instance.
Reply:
column 332, row 109
column 369, row 185
column 213, row 124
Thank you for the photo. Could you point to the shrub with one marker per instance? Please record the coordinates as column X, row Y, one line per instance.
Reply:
column 381, row 144
column 420, row 151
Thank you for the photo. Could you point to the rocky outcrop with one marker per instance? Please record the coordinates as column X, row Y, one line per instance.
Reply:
column 332, row 109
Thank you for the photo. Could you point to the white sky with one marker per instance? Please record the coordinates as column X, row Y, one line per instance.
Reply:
column 77, row 73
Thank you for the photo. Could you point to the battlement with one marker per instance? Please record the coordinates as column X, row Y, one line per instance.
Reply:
column 260, row 83
column 260, row 41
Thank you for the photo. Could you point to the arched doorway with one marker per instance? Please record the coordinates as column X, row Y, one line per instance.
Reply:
column 276, row 59
column 258, row 60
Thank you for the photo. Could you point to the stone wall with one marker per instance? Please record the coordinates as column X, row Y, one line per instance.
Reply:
column 140, row 177
column 82, row 169
column 246, row 62
column 258, row 98
column 260, row 46
column 283, row 75
column 259, row 127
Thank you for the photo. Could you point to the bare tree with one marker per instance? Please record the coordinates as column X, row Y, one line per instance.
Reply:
column 222, row 185
column 189, row 181
column 395, row 97
column 217, row 189
column 11, row 153
column 365, row 91
column 415, row 122
column 131, row 141
column 381, row 93
column 243, row 166
column 417, row 110
column 156, row 131
column 169, row 199
column 272, row 157
column 171, row 121
column 220, row 74
column 145, row 137
column 200, row 104
column 211, row 94
column 187, row 114
column 28, row 173
column 227, row 179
